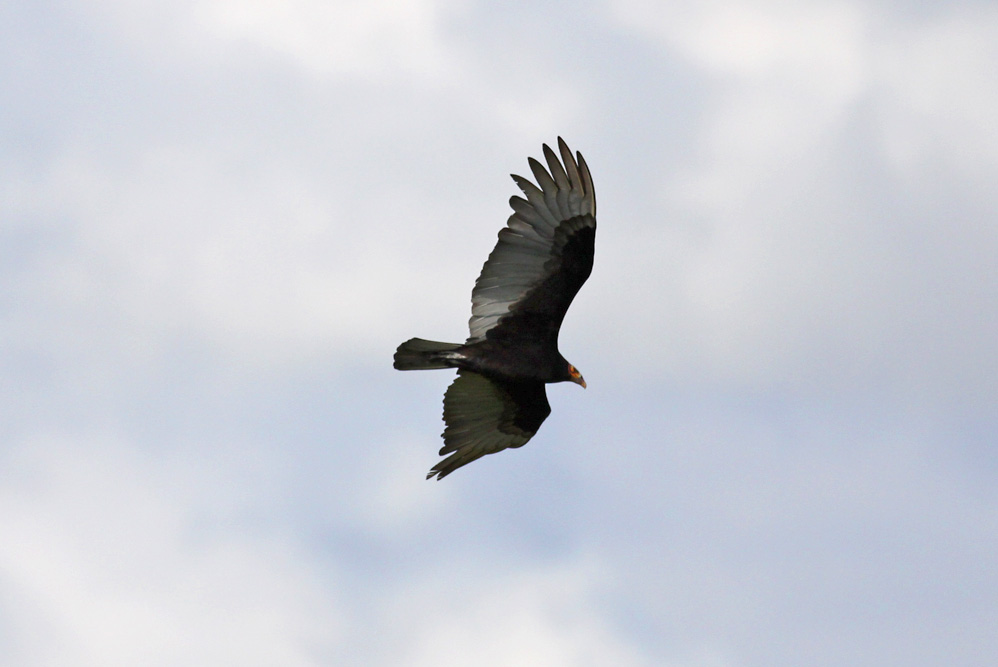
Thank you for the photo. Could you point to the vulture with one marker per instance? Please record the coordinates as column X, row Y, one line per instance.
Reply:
column 542, row 258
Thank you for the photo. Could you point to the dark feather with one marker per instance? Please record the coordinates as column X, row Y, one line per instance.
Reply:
column 485, row 416
column 551, row 232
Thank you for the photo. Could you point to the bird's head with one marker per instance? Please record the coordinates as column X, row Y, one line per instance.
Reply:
column 575, row 376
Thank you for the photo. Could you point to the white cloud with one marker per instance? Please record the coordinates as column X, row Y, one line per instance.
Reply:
column 171, row 245
column 799, row 240
column 938, row 93
column 541, row 616
column 114, row 557
column 327, row 39
column 785, row 74
column 817, row 46
column 355, row 37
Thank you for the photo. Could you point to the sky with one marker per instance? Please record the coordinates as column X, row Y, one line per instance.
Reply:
column 218, row 218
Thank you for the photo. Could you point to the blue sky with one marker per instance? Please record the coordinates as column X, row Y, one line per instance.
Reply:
column 219, row 218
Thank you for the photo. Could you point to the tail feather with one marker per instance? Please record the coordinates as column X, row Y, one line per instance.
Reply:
column 417, row 354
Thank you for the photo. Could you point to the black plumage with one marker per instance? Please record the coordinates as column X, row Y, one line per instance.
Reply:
column 542, row 258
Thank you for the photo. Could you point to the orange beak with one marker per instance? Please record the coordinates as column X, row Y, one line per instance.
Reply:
column 576, row 376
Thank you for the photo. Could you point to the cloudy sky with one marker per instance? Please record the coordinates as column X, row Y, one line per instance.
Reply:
column 219, row 217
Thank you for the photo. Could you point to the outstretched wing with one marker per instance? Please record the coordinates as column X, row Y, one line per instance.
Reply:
column 543, row 256
column 485, row 416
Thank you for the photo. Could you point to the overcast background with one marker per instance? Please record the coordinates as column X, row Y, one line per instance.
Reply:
column 219, row 218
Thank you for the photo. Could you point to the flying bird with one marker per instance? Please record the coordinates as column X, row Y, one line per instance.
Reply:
column 542, row 258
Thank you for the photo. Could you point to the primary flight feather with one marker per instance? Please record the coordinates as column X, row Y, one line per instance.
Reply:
column 542, row 258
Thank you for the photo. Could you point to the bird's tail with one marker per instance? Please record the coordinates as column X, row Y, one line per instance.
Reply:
column 417, row 354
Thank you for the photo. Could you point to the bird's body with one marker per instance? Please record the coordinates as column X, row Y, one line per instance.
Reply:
column 543, row 257
column 496, row 359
